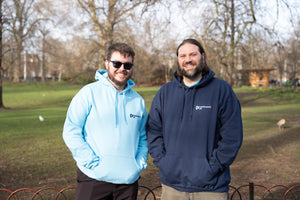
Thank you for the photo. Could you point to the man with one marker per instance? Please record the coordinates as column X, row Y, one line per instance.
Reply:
column 194, row 129
column 105, row 131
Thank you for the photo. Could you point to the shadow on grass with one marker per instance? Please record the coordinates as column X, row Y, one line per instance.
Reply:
column 270, row 144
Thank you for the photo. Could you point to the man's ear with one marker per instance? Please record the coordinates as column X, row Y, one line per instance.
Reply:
column 106, row 62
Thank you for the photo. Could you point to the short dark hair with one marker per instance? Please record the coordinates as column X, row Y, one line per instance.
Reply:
column 123, row 48
column 191, row 41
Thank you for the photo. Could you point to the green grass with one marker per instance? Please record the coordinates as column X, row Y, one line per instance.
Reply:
column 34, row 155
column 148, row 94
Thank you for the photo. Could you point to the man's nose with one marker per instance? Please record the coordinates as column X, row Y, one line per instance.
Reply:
column 188, row 58
column 122, row 67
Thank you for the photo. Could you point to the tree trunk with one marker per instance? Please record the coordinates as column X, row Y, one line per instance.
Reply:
column 1, row 69
column 1, row 84
column 231, row 57
column 43, row 60
column 18, row 67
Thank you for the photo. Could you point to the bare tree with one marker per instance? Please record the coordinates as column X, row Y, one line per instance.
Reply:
column 5, row 49
column 293, row 52
column 1, row 68
column 48, row 15
column 280, row 60
column 106, row 14
column 70, row 58
column 155, row 43
column 224, row 29
column 255, row 50
column 293, row 61
column 22, row 22
column 43, row 61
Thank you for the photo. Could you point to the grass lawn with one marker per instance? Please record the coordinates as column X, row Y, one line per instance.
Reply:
column 34, row 155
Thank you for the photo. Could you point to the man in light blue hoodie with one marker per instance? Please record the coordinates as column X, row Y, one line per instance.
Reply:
column 105, row 131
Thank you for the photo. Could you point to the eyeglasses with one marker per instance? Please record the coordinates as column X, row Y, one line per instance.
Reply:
column 118, row 64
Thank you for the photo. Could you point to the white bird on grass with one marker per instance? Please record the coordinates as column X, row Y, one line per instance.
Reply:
column 41, row 118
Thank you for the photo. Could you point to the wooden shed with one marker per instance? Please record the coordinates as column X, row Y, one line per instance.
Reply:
column 256, row 77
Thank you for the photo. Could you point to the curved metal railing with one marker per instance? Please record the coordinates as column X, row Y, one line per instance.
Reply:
column 249, row 191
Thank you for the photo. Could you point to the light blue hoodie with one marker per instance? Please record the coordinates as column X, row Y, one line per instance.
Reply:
column 105, row 131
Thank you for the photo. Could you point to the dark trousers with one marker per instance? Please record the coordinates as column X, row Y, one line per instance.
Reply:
column 91, row 189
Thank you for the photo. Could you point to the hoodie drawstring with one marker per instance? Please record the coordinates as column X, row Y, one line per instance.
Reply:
column 116, row 109
column 193, row 90
column 182, row 105
column 123, row 106
column 193, row 100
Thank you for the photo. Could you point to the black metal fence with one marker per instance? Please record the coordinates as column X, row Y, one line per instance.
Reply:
column 249, row 191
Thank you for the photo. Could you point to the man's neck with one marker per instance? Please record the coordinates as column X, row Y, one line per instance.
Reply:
column 120, row 88
column 190, row 82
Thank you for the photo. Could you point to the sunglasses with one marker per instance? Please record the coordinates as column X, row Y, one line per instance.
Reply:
column 118, row 64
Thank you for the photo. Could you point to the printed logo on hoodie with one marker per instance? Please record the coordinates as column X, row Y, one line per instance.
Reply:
column 202, row 107
column 134, row 116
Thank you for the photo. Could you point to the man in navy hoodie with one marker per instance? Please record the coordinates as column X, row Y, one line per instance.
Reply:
column 194, row 129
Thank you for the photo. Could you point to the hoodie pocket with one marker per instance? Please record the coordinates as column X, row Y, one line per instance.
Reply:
column 117, row 169
column 187, row 171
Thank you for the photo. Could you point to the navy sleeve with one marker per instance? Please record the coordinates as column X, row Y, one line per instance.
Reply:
column 231, row 131
column 155, row 130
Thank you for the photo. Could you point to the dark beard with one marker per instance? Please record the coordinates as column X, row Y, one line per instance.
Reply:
column 198, row 70
column 118, row 83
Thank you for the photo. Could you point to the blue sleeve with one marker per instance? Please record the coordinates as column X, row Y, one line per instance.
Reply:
column 155, row 130
column 142, row 152
column 73, row 131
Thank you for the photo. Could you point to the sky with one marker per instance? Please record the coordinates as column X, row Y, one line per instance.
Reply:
column 268, row 16
column 280, row 17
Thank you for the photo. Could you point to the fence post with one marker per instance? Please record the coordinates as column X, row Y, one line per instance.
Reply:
column 251, row 191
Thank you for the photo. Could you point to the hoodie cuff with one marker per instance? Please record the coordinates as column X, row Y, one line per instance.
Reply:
column 93, row 163
column 142, row 165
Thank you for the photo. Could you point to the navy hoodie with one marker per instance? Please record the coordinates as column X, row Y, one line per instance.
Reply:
column 194, row 134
